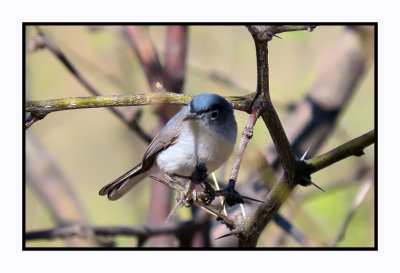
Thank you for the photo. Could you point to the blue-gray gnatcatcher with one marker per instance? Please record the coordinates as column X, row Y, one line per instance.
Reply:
column 204, row 131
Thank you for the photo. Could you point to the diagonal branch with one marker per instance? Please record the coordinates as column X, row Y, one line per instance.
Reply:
column 365, row 187
column 145, row 51
column 246, row 136
column 351, row 148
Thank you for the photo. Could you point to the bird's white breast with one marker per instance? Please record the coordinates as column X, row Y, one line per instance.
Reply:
column 195, row 144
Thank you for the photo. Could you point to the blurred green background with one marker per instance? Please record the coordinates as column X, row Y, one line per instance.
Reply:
column 92, row 147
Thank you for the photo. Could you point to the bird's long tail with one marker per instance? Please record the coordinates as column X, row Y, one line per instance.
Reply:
column 120, row 186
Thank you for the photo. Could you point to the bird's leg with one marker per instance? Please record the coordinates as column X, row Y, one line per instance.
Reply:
column 198, row 176
column 200, row 173
column 183, row 197
column 172, row 179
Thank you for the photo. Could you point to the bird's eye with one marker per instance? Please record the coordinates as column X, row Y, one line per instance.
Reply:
column 214, row 114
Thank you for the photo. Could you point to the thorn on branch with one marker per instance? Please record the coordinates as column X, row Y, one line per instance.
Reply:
column 306, row 181
column 228, row 234
column 304, row 176
column 359, row 153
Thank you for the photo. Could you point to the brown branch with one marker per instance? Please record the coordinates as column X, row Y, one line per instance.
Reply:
column 279, row 193
column 142, row 232
column 262, row 105
column 266, row 32
column 246, row 136
column 261, row 36
column 144, row 49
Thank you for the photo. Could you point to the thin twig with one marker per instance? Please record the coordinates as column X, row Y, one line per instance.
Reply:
column 246, row 136
column 365, row 187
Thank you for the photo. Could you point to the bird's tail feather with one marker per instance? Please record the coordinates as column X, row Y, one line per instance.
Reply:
column 120, row 186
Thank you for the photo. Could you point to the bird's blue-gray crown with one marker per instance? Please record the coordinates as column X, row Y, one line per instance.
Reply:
column 218, row 107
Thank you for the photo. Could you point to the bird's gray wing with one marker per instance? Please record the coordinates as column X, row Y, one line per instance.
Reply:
column 165, row 138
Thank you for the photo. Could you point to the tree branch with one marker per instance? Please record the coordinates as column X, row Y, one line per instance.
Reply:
column 142, row 232
column 246, row 136
column 44, row 107
column 261, row 36
column 353, row 147
column 266, row 32
column 249, row 237
column 281, row 190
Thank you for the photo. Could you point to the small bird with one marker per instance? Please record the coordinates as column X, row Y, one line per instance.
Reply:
column 203, row 132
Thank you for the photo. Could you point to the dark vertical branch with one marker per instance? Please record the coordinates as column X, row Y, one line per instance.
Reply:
column 282, row 189
column 262, row 35
column 262, row 67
